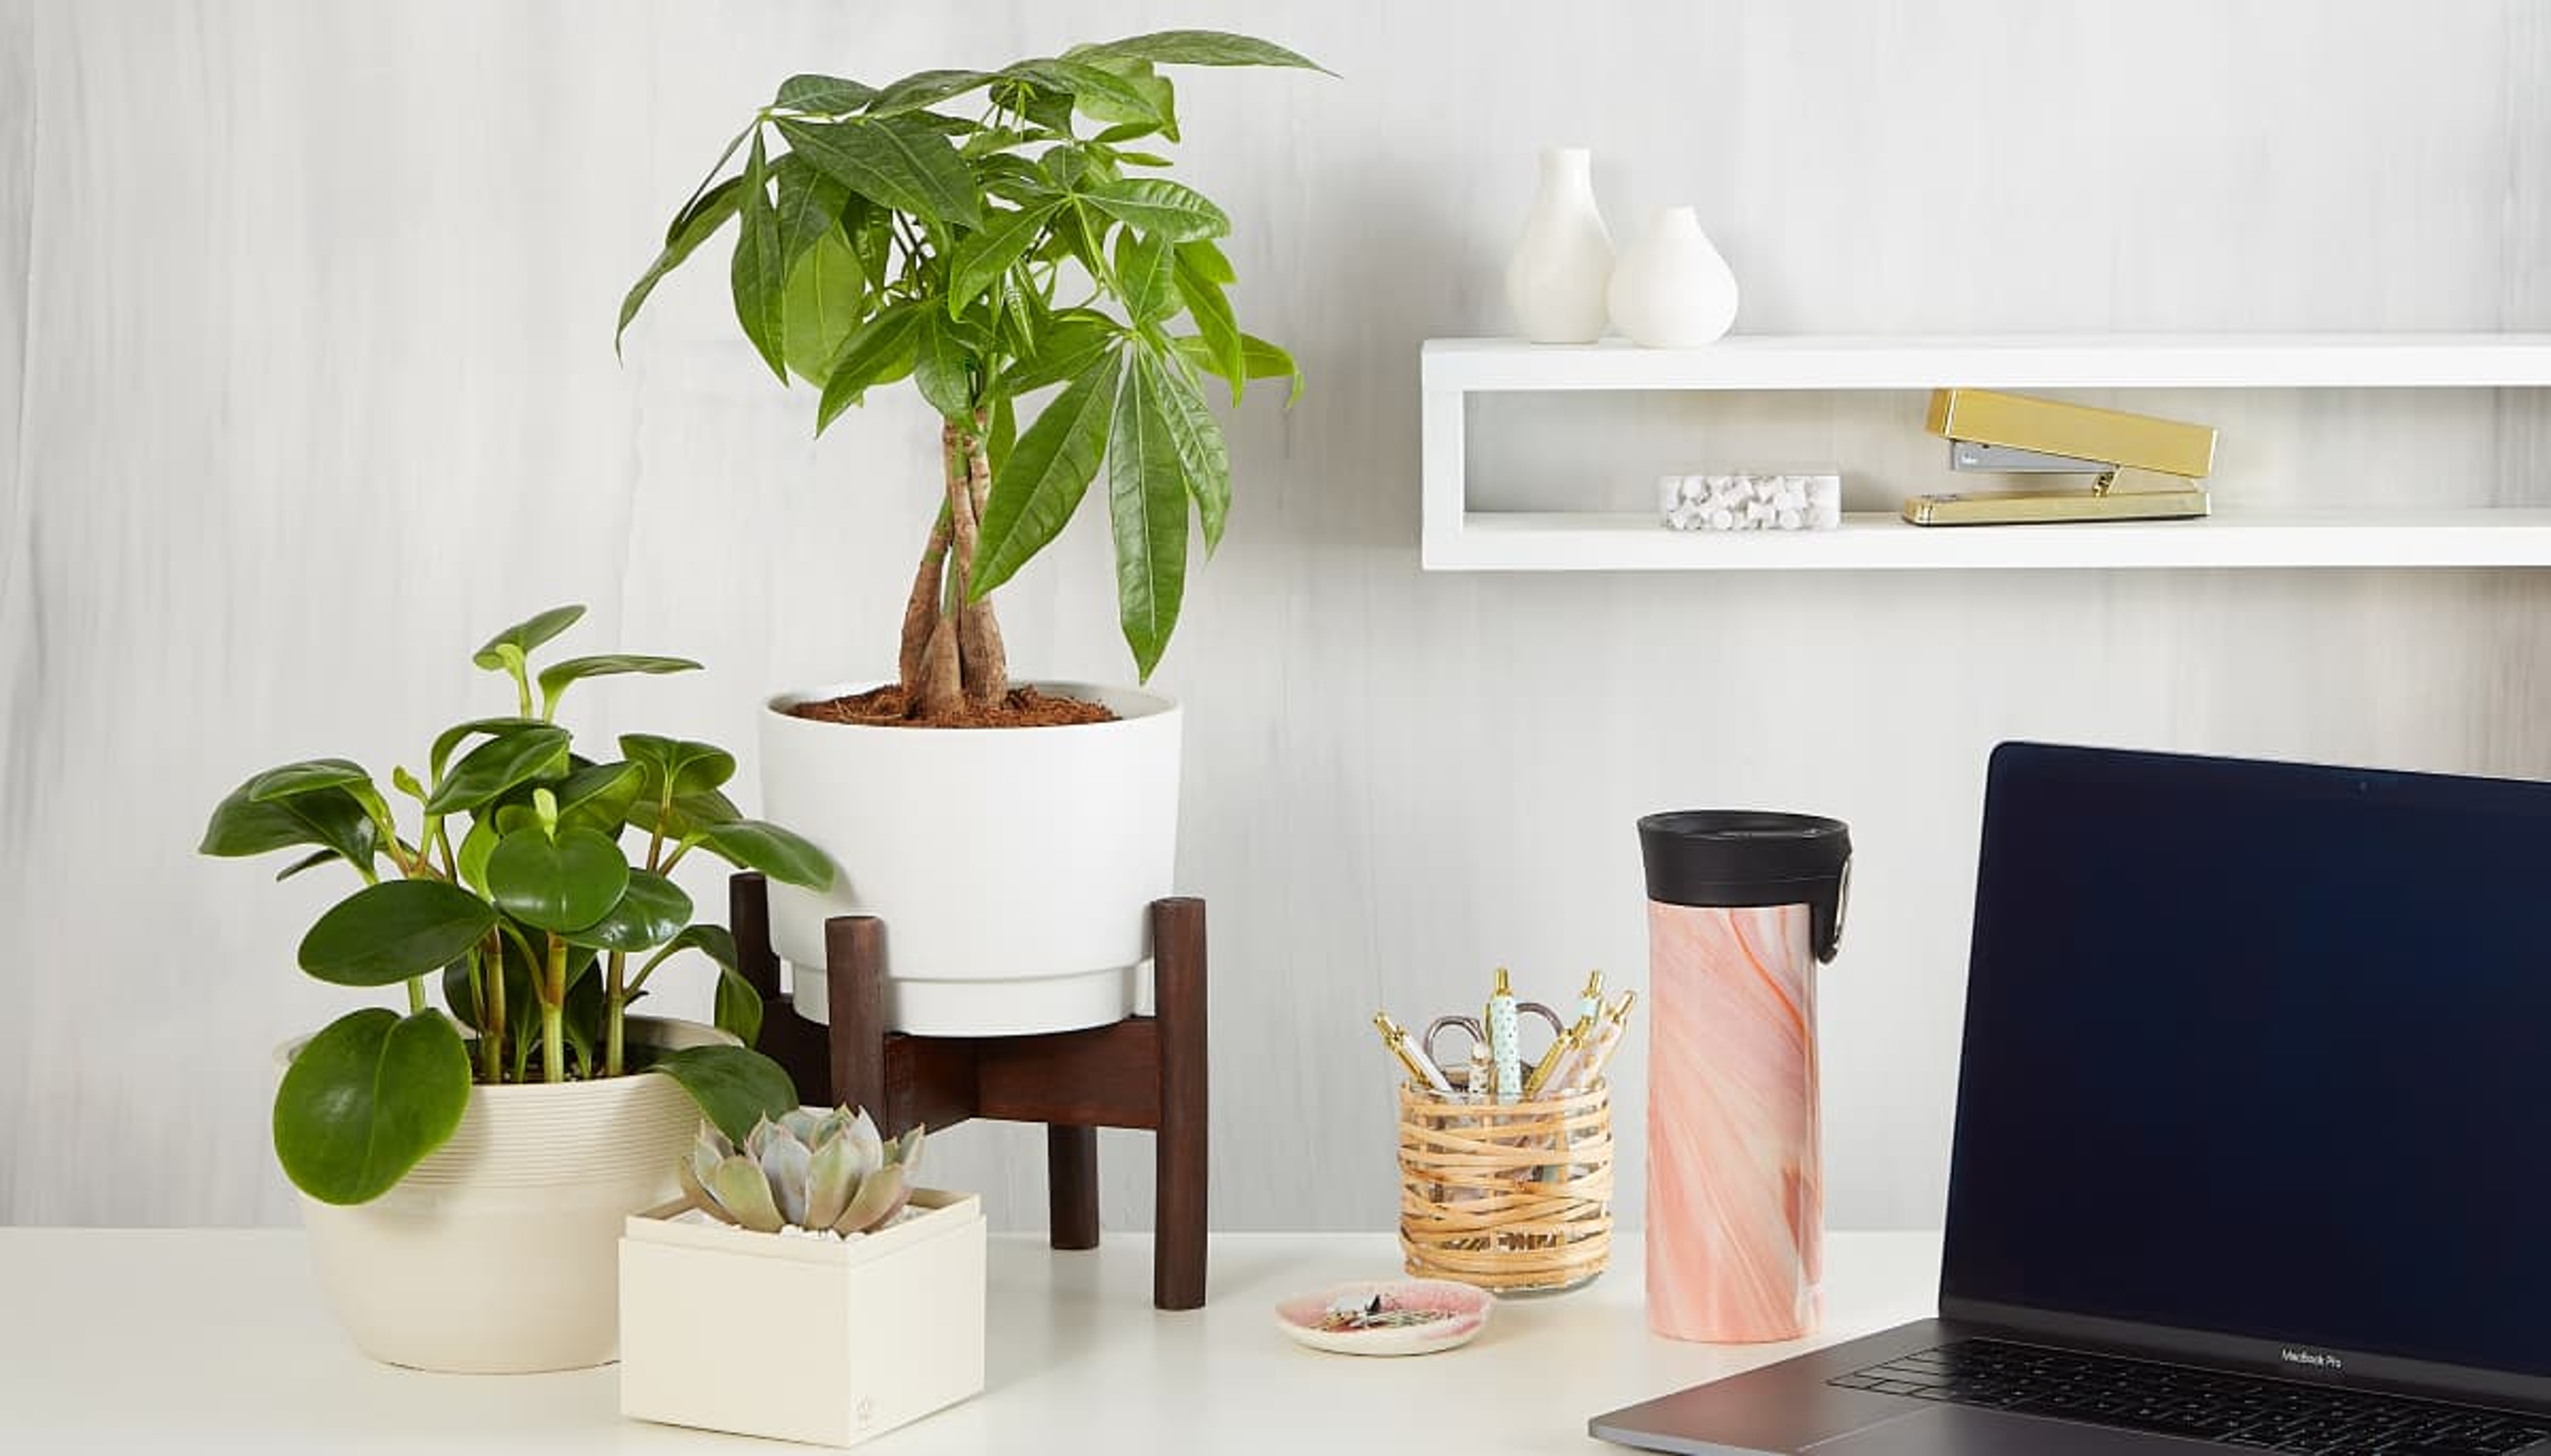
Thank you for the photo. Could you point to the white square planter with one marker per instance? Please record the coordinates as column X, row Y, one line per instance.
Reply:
column 802, row 1339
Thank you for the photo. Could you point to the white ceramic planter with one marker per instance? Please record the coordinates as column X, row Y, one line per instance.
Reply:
column 802, row 1339
column 495, row 1255
column 1014, row 868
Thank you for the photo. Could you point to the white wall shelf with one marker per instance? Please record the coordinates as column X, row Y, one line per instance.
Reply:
column 1457, row 538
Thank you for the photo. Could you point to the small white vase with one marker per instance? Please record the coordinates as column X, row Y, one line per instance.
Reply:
column 1561, row 264
column 1672, row 289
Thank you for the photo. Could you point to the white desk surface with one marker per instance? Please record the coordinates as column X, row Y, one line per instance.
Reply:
column 187, row 1341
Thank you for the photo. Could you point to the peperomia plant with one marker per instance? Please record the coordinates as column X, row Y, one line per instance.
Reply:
column 989, row 256
column 521, row 892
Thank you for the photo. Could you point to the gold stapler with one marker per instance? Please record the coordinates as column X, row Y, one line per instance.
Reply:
column 2146, row 468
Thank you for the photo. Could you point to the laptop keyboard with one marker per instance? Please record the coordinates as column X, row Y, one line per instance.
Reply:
column 2202, row 1405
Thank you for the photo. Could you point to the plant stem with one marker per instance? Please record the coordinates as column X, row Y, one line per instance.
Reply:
column 615, row 1006
column 491, row 1007
column 414, row 994
column 553, row 1014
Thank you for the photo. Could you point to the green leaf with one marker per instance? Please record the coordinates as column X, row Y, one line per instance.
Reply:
column 1214, row 324
column 1073, row 344
column 1198, row 48
column 759, row 274
column 559, row 885
column 690, row 813
column 476, row 847
column 696, row 225
column 985, row 256
column 712, row 941
column 501, row 763
column 331, row 818
column 366, row 1099
column 1203, row 456
column 556, row 675
column 1147, row 505
column 1174, row 210
column 1014, row 177
column 734, row 1087
column 880, row 352
column 925, row 89
column 831, row 96
column 450, row 738
column 1208, row 262
column 310, row 861
column 527, row 635
column 810, row 205
column 820, row 308
column 307, row 776
column 737, row 1009
column 894, row 160
column 652, row 911
column 598, row 797
column 1147, row 269
column 784, row 855
column 1101, row 96
column 386, row 933
column 1048, row 470
column 690, row 767
column 942, row 369
column 1259, row 360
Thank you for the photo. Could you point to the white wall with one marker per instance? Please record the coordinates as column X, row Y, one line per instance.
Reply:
column 306, row 383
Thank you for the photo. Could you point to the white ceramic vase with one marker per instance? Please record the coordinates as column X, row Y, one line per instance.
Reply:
column 1014, row 868
column 1672, row 289
column 1555, row 280
column 498, row 1254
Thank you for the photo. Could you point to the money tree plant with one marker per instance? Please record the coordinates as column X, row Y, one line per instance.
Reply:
column 532, row 892
column 992, row 235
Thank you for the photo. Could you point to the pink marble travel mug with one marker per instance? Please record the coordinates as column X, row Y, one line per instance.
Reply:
column 1742, row 907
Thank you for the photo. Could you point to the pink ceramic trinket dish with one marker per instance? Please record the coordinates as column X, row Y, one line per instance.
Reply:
column 1409, row 1316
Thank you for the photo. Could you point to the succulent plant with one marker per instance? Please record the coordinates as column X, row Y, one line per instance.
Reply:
column 809, row 1170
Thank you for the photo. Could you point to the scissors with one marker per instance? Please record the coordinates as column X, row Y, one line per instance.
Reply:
column 1480, row 1038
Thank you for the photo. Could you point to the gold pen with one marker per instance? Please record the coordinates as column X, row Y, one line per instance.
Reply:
column 1405, row 1046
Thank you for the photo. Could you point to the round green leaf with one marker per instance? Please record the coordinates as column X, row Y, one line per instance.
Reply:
column 526, row 634
column 331, row 818
column 386, row 933
column 558, row 885
column 692, row 768
column 366, row 1099
column 738, row 1007
column 502, row 762
column 652, row 911
column 734, row 1087
column 306, row 777
column 555, row 678
column 752, row 844
column 600, row 795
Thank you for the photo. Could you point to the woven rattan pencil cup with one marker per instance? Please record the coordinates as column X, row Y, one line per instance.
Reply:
column 1512, row 1197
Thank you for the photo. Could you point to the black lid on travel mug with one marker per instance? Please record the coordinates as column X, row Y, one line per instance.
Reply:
column 1746, row 856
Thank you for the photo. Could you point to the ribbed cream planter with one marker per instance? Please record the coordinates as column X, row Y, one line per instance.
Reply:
column 1014, row 868
column 498, row 1254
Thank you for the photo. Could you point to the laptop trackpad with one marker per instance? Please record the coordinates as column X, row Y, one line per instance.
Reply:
column 1963, row 1430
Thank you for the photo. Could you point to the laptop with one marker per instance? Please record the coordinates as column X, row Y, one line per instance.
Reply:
column 2252, row 1148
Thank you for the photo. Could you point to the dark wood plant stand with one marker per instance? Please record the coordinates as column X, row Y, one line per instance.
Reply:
column 1145, row 1072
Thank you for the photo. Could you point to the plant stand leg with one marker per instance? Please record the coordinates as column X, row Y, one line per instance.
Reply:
column 1179, row 1208
column 1071, row 1184
column 854, row 1002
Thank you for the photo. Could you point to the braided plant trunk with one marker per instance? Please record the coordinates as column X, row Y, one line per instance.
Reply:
column 952, row 657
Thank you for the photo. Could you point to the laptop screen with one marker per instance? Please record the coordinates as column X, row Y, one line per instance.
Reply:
column 2261, row 1050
